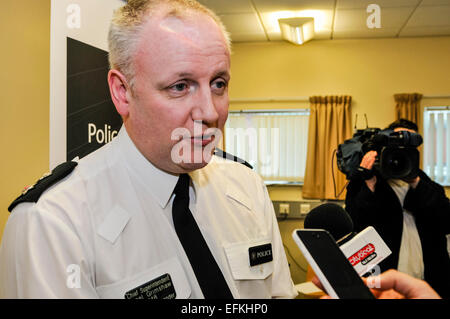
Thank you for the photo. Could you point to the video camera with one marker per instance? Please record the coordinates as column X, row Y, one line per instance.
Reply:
column 397, row 154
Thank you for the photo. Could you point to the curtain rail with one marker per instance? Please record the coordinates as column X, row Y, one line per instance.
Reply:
column 306, row 98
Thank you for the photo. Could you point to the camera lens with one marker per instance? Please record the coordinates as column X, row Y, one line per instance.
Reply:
column 397, row 163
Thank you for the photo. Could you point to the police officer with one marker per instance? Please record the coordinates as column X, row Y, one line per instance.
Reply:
column 105, row 227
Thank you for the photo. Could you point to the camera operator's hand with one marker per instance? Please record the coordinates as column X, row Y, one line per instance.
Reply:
column 367, row 163
column 368, row 160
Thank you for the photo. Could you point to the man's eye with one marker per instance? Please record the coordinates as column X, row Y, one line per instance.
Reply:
column 219, row 86
column 180, row 87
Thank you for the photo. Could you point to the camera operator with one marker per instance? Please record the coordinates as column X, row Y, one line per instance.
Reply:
column 411, row 215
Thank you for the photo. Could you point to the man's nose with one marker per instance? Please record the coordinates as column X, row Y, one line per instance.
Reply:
column 205, row 108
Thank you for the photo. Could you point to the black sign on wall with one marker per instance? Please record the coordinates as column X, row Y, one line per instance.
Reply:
column 92, row 120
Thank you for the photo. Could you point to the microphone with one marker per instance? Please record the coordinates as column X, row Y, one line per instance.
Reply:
column 363, row 250
column 334, row 219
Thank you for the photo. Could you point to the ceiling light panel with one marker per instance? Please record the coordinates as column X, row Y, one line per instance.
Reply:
column 297, row 30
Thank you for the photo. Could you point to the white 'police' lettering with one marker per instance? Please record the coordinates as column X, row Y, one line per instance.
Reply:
column 101, row 136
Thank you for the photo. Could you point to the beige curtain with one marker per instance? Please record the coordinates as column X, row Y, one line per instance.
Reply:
column 407, row 106
column 329, row 125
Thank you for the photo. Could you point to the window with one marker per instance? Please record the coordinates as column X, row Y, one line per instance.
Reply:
column 273, row 142
column 436, row 155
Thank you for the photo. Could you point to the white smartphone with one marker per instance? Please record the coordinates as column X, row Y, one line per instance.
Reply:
column 337, row 275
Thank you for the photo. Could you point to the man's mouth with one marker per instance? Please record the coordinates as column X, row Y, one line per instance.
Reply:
column 202, row 140
column 194, row 148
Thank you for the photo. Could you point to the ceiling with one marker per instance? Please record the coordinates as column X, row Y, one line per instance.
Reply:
column 257, row 20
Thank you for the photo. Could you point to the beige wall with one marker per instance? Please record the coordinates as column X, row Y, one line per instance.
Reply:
column 371, row 71
column 24, row 103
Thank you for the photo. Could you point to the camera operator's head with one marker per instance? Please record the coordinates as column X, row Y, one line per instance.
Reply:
column 399, row 157
column 403, row 125
column 392, row 152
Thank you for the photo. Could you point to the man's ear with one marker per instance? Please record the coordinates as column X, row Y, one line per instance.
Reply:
column 120, row 92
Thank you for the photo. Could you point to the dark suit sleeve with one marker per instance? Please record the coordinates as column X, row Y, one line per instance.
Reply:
column 431, row 209
column 361, row 203
column 429, row 204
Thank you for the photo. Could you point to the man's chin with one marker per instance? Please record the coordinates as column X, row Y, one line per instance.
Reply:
column 196, row 162
column 189, row 167
column 197, row 159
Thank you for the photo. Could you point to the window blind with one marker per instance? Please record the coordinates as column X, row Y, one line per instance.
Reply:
column 273, row 142
column 436, row 157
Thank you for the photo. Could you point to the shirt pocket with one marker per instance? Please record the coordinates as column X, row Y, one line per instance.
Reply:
column 155, row 282
column 238, row 256
column 239, row 198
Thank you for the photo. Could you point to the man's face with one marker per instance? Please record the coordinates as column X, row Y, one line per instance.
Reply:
column 180, row 92
column 398, row 129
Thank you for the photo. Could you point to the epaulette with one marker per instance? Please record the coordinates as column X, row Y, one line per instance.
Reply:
column 218, row 152
column 32, row 193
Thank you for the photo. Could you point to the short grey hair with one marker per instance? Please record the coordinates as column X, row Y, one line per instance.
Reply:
column 128, row 21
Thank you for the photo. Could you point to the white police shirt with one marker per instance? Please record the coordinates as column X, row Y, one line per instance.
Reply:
column 106, row 231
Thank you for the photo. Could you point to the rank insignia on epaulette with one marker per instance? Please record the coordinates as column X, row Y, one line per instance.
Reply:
column 218, row 152
column 30, row 187
column 26, row 189
column 33, row 192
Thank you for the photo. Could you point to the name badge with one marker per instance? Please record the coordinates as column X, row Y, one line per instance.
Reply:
column 158, row 288
column 260, row 254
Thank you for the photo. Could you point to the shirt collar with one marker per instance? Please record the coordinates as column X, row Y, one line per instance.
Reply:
column 161, row 184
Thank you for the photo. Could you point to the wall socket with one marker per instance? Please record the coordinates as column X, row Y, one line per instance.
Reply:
column 294, row 209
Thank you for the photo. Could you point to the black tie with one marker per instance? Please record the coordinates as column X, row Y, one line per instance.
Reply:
column 208, row 273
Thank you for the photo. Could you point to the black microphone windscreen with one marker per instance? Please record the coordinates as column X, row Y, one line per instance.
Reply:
column 331, row 217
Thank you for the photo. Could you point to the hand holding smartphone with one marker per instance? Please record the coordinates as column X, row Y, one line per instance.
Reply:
column 337, row 275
